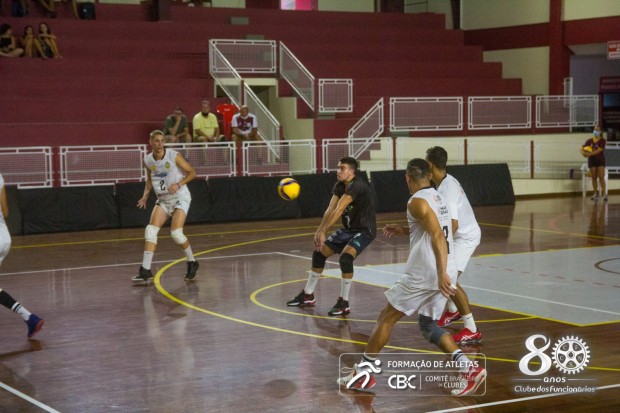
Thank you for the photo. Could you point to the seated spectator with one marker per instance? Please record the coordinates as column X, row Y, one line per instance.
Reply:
column 32, row 47
column 176, row 128
column 48, row 42
column 244, row 126
column 8, row 47
column 206, row 128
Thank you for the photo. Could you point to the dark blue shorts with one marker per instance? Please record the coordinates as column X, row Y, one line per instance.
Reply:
column 358, row 240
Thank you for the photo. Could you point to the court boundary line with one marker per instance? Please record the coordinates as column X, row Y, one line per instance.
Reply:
column 521, row 399
column 28, row 398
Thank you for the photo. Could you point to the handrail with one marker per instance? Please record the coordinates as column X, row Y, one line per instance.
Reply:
column 214, row 55
column 309, row 100
column 232, row 49
column 377, row 107
column 268, row 136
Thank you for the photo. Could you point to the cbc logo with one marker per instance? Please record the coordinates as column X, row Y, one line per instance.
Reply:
column 401, row 381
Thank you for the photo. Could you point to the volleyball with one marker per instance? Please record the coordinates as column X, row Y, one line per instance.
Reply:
column 587, row 148
column 288, row 189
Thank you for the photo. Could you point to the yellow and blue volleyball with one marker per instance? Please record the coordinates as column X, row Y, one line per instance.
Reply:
column 288, row 189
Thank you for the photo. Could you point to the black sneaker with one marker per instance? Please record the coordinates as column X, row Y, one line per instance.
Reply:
column 144, row 275
column 341, row 308
column 302, row 299
column 192, row 267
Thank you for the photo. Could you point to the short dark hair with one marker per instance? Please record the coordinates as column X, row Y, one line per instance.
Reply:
column 418, row 168
column 351, row 161
column 437, row 156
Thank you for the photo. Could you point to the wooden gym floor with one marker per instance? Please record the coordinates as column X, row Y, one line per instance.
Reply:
column 227, row 342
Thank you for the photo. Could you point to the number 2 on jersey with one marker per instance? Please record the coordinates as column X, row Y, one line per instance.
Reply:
column 163, row 187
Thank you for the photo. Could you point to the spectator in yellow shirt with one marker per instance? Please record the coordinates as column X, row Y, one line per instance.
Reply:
column 205, row 124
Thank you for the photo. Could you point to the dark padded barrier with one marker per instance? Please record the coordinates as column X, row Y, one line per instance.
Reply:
column 488, row 184
column 316, row 191
column 200, row 210
column 127, row 196
column 247, row 198
column 14, row 221
column 68, row 209
column 484, row 185
column 391, row 190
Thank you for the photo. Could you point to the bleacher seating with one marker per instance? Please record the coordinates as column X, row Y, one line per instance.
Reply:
column 123, row 74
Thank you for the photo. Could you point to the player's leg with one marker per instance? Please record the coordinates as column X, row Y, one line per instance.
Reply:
column 33, row 322
column 594, row 176
column 471, row 374
column 176, row 231
column 306, row 296
column 600, row 174
column 356, row 243
column 159, row 216
column 378, row 339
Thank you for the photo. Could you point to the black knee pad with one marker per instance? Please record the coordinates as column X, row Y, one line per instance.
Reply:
column 346, row 263
column 429, row 329
column 318, row 260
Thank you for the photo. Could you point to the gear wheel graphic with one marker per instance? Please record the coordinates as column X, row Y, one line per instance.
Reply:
column 571, row 355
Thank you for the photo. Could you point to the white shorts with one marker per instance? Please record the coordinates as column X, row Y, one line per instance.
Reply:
column 5, row 241
column 463, row 251
column 169, row 204
column 408, row 300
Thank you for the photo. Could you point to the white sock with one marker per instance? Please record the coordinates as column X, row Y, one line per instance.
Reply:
column 147, row 259
column 189, row 254
column 21, row 311
column 345, row 287
column 313, row 280
column 452, row 307
column 469, row 322
column 462, row 359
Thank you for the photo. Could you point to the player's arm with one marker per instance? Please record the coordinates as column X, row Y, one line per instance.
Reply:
column 4, row 204
column 190, row 174
column 420, row 209
column 330, row 217
column 147, row 188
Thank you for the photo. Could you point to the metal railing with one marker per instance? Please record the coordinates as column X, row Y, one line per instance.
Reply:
column 335, row 95
column 101, row 165
column 300, row 78
column 408, row 114
column 211, row 159
column 369, row 127
column 225, row 75
column 248, row 56
column 408, row 148
column 499, row 112
column 379, row 156
column 268, row 125
column 296, row 157
column 27, row 167
column 558, row 111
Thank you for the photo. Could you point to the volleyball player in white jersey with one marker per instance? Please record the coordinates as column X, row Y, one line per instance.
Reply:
column 466, row 238
column 33, row 322
column 430, row 277
column 168, row 174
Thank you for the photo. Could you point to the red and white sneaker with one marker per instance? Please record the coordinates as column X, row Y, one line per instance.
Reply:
column 466, row 336
column 448, row 318
column 470, row 381
column 357, row 379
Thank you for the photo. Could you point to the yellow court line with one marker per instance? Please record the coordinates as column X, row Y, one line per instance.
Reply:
column 279, row 310
column 165, row 293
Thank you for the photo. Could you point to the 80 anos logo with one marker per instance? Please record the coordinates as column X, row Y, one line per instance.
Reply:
column 570, row 355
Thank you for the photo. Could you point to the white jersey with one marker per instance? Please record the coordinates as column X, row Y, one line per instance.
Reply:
column 468, row 229
column 421, row 267
column 164, row 173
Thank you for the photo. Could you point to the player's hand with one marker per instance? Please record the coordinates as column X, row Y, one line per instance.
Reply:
column 392, row 229
column 319, row 240
column 142, row 202
column 173, row 189
column 445, row 286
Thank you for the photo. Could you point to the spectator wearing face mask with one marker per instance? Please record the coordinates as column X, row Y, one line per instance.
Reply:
column 594, row 150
